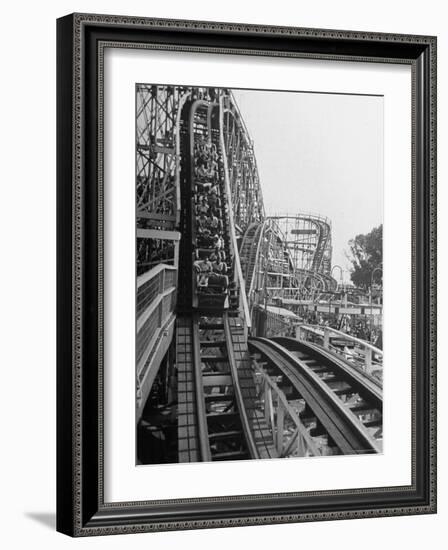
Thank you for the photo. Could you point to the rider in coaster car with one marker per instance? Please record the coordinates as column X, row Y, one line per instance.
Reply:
column 202, row 222
column 202, row 207
column 214, row 152
column 213, row 201
column 205, row 239
column 204, row 186
column 215, row 224
column 218, row 243
column 201, row 173
column 203, row 269
column 214, row 189
column 218, row 275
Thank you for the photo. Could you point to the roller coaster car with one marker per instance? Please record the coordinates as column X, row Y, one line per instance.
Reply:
column 210, row 300
column 212, row 296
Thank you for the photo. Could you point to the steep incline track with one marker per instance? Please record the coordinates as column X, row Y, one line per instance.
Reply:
column 213, row 421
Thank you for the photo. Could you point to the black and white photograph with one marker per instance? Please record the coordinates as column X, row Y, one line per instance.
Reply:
column 223, row 248
column 259, row 274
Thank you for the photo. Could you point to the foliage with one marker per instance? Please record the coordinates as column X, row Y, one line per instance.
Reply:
column 366, row 256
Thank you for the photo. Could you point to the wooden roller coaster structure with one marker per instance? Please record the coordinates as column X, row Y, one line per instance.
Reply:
column 322, row 405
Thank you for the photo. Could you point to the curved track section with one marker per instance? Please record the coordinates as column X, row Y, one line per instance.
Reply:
column 267, row 263
column 308, row 240
column 334, row 370
column 246, row 249
column 249, row 254
column 336, row 404
column 324, row 242
column 319, row 281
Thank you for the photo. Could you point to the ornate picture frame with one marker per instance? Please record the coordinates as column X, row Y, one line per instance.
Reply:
column 81, row 43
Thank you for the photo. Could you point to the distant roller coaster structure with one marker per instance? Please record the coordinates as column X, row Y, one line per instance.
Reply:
column 198, row 197
column 307, row 238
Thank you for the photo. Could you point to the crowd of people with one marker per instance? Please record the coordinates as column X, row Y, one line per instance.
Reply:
column 361, row 328
column 210, row 261
column 152, row 252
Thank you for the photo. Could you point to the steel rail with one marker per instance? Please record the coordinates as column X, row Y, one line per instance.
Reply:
column 250, row 442
column 244, row 250
column 348, row 433
column 259, row 236
column 204, row 442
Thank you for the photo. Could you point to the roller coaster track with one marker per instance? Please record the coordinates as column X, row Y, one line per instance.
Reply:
column 249, row 253
column 311, row 259
column 338, row 402
column 325, row 282
column 251, row 256
column 253, row 252
column 245, row 250
column 218, row 415
column 213, row 420
column 221, row 427
column 324, row 233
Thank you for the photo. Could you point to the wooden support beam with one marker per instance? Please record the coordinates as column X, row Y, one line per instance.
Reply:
column 280, row 427
column 156, row 217
column 158, row 234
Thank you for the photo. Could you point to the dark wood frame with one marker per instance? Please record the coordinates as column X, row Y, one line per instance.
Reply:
column 81, row 39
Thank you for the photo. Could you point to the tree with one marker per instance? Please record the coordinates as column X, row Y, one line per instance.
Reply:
column 366, row 257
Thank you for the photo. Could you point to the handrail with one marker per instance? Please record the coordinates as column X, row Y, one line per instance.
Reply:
column 345, row 335
column 145, row 341
column 153, row 306
column 238, row 394
column 145, row 277
column 151, row 309
column 368, row 363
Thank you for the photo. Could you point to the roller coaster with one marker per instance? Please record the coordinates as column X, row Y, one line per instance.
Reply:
column 210, row 385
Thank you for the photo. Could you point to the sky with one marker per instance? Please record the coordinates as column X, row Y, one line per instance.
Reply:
column 320, row 153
